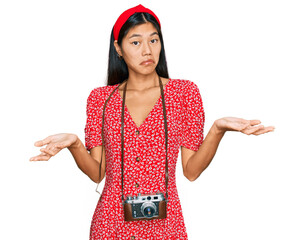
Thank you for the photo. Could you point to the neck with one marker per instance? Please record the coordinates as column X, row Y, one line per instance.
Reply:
column 141, row 82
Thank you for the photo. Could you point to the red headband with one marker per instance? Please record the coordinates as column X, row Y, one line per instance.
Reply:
column 126, row 14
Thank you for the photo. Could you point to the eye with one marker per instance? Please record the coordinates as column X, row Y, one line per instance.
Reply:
column 155, row 40
column 135, row 42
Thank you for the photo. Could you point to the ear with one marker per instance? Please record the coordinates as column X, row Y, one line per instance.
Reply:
column 117, row 47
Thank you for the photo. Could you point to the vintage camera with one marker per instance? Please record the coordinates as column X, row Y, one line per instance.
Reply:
column 145, row 207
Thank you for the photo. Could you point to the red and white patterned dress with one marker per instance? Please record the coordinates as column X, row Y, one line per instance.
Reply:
column 185, row 120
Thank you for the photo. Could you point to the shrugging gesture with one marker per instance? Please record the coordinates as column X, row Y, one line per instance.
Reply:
column 54, row 144
column 242, row 125
column 196, row 162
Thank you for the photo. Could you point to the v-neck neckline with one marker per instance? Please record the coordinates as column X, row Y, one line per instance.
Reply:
column 151, row 111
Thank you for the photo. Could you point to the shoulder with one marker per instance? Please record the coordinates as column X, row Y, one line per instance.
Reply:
column 100, row 94
column 184, row 82
column 186, row 86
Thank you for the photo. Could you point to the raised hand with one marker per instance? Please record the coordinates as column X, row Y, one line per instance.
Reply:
column 242, row 125
column 55, row 143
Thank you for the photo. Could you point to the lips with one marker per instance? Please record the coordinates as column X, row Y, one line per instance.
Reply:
column 150, row 61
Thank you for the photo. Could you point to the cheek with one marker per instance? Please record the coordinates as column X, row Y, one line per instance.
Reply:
column 132, row 59
column 157, row 53
column 130, row 56
column 158, row 48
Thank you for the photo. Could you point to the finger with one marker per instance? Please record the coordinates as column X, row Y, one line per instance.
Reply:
column 240, row 126
column 41, row 154
column 255, row 122
column 41, row 157
column 252, row 129
column 48, row 151
column 51, row 150
column 43, row 142
column 265, row 130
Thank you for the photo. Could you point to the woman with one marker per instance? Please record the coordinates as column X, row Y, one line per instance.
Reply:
column 137, row 58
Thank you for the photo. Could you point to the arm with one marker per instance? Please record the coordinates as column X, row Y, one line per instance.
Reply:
column 88, row 163
column 201, row 159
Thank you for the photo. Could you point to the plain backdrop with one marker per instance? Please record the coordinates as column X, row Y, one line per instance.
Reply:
column 247, row 58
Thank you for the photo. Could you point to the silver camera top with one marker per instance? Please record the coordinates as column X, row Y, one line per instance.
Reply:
column 145, row 197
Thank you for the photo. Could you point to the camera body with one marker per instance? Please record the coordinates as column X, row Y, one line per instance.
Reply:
column 145, row 207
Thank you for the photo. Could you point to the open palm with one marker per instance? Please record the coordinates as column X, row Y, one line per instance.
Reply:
column 242, row 125
column 55, row 143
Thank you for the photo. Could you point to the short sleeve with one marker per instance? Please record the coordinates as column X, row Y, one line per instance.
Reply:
column 193, row 117
column 93, row 126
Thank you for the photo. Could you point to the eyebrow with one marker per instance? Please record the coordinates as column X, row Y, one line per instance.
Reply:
column 139, row 35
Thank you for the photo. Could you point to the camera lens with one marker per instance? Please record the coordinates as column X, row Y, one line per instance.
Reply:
column 149, row 212
column 148, row 209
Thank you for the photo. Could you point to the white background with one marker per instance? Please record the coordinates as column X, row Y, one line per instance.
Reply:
column 247, row 57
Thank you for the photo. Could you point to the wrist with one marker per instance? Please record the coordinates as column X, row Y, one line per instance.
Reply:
column 76, row 144
column 216, row 129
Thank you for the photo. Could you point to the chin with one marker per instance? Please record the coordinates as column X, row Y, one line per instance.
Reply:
column 147, row 71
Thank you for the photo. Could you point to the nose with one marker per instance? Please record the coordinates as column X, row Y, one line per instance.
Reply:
column 146, row 49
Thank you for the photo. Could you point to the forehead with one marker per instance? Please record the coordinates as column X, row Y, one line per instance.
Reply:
column 145, row 29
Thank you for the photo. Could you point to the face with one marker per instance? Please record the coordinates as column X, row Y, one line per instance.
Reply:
column 140, row 44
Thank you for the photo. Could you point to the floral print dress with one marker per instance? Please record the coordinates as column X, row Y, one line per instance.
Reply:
column 144, row 158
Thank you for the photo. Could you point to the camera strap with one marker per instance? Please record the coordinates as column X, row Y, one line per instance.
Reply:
column 122, row 135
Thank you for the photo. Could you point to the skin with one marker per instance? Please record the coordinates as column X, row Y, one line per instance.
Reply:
column 140, row 44
column 136, row 49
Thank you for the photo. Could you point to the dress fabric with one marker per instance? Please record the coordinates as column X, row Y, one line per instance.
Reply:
column 144, row 158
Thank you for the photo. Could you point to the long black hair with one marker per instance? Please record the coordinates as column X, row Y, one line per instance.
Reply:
column 117, row 68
